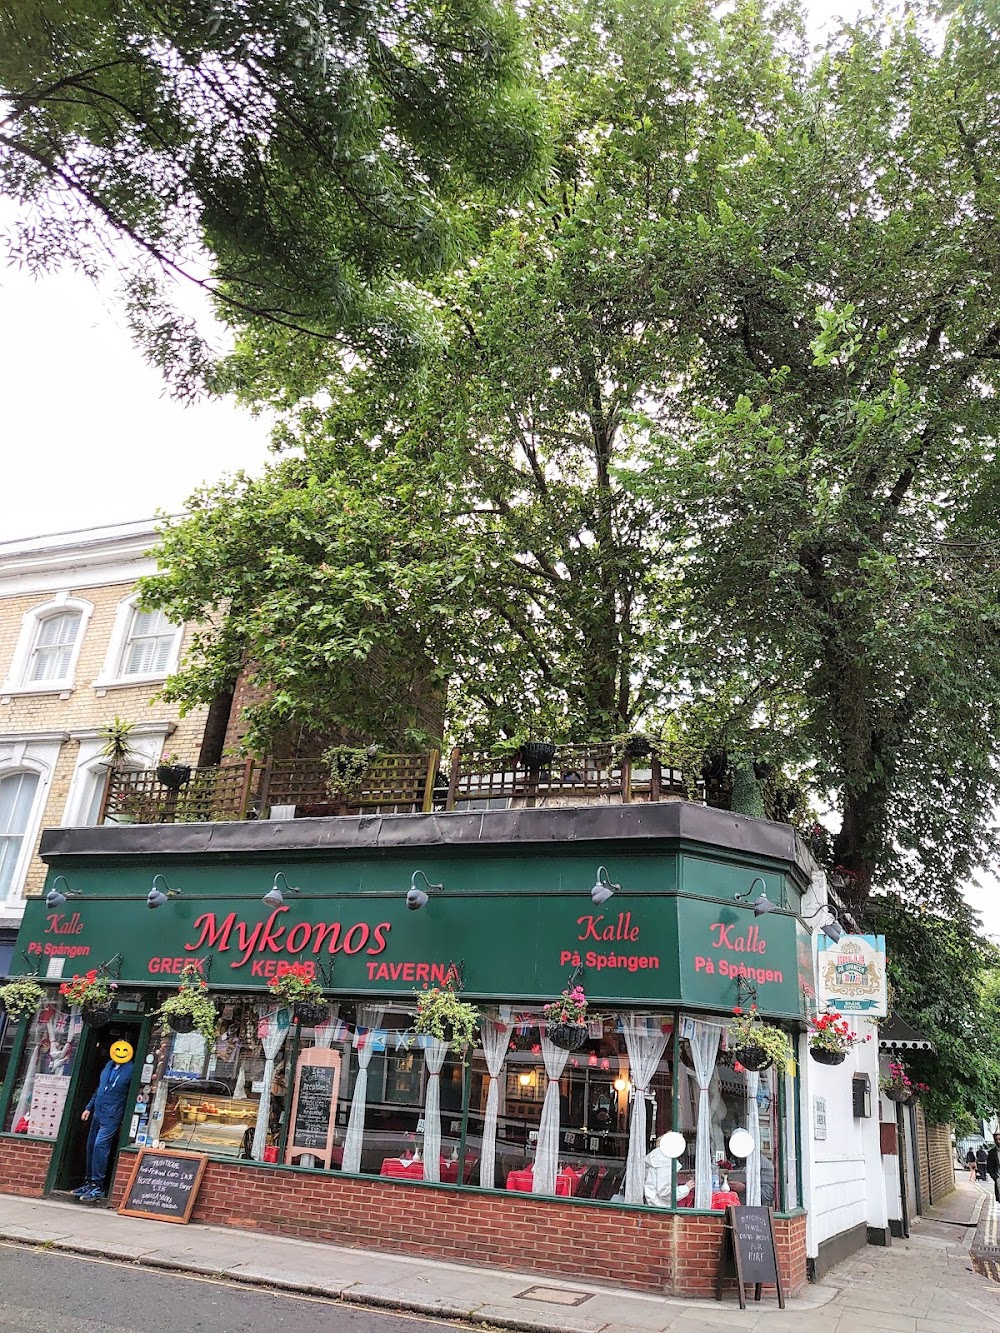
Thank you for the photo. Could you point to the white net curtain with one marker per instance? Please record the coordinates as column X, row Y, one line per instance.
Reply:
column 435, row 1051
column 495, row 1038
column 369, row 1017
column 547, row 1150
column 704, row 1038
column 645, row 1040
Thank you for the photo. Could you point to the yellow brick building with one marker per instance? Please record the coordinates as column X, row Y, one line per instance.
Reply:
column 75, row 651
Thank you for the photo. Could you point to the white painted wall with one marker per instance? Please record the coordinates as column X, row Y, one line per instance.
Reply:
column 843, row 1179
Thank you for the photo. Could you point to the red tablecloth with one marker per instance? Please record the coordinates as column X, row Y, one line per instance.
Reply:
column 721, row 1200
column 411, row 1169
column 566, row 1181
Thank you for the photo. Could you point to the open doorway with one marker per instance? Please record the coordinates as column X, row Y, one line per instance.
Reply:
column 95, row 1054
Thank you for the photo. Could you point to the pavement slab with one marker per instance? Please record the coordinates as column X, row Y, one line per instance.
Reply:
column 924, row 1284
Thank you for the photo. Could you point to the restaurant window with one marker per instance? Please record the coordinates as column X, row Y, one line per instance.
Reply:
column 224, row 1097
column 42, row 1078
column 716, row 1097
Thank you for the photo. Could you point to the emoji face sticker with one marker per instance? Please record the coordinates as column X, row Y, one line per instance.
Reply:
column 121, row 1052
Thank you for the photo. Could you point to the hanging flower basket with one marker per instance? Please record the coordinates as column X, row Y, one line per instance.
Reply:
column 754, row 1058
column 440, row 1013
column 536, row 754
column 310, row 1014
column 831, row 1038
column 567, row 1019
column 22, row 998
column 905, row 1096
column 898, row 1086
column 191, row 1009
column 757, row 1045
column 568, row 1036
column 822, row 1056
column 296, row 985
column 96, row 1015
column 93, row 994
column 173, row 776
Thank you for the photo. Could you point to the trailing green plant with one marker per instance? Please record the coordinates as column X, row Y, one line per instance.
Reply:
column 192, row 1000
column 439, row 1009
column 747, row 1030
column 630, row 746
column 347, row 765
column 21, row 997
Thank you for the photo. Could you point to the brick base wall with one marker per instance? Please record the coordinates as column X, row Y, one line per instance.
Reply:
column 24, row 1164
column 667, row 1253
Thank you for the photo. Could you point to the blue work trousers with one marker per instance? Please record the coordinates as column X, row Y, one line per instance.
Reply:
column 100, row 1141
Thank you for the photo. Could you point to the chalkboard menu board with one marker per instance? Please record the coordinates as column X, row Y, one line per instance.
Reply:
column 315, row 1102
column 314, row 1107
column 163, row 1185
column 749, row 1253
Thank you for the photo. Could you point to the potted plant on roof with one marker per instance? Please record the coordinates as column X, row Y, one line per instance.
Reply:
column 172, row 773
column 898, row 1086
column 296, row 986
column 535, row 755
column 632, row 745
column 831, row 1038
column 757, row 1045
column 22, row 998
column 191, row 1010
column 440, row 1013
column 347, row 767
column 567, row 1019
column 93, row 994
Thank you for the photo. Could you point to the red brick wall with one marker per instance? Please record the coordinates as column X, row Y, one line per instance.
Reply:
column 666, row 1253
column 24, row 1164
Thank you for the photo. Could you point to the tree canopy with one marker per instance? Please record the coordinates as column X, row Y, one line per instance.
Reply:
column 708, row 430
column 302, row 162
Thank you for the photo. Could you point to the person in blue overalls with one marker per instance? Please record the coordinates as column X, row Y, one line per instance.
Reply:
column 105, row 1111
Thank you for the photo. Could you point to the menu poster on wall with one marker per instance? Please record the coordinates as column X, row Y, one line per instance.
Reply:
column 850, row 975
column 48, row 1098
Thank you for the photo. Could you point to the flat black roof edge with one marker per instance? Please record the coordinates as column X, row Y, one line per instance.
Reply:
column 680, row 821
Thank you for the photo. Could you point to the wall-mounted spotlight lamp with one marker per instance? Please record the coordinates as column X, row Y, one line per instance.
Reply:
column 158, row 897
column 604, row 888
column 761, row 904
column 56, row 899
column 417, row 898
column 274, row 897
column 832, row 929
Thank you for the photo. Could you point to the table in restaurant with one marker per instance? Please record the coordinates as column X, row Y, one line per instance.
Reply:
column 566, row 1181
column 412, row 1168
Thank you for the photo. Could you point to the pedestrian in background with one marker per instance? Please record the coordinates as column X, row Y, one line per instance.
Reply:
column 970, row 1165
column 993, row 1165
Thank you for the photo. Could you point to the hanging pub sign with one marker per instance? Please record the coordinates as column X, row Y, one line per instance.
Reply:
column 850, row 975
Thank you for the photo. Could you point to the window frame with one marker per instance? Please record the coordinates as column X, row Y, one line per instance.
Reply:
column 39, row 758
column 18, row 676
column 112, row 673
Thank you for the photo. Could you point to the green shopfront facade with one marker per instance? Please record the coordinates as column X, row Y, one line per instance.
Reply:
column 427, row 1151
